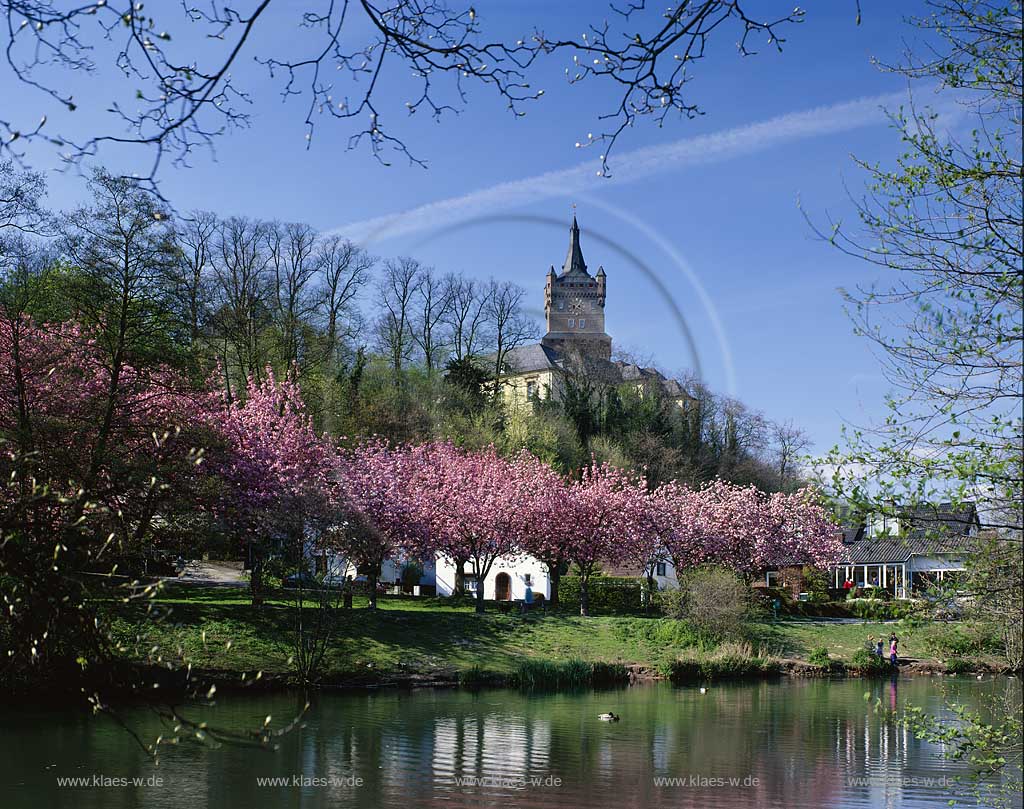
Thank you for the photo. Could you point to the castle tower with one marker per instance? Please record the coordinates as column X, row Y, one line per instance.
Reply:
column 574, row 305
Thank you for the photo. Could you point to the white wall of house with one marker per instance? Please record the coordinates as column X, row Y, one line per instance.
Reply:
column 520, row 570
column 881, row 525
column 390, row 572
column 669, row 580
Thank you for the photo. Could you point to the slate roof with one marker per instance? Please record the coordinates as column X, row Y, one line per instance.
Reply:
column 942, row 519
column 929, row 531
column 536, row 357
column 532, row 357
column 900, row 549
column 574, row 262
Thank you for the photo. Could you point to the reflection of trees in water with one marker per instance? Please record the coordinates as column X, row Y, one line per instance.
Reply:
column 800, row 738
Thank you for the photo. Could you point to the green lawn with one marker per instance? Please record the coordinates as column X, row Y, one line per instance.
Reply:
column 217, row 629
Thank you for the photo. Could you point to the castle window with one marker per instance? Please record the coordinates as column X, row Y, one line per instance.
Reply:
column 572, row 323
column 583, row 323
column 561, row 305
column 660, row 569
column 531, row 388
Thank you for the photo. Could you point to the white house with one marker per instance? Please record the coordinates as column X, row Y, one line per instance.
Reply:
column 507, row 580
column 510, row 576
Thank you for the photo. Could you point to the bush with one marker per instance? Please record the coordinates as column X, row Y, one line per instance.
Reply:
column 866, row 662
column 816, row 583
column 568, row 674
column 713, row 600
column 608, row 594
column 729, row 661
column 671, row 603
column 959, row 641
column 870, row 609
column 819, row 657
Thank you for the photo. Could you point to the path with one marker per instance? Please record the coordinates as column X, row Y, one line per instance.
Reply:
column 211, row 574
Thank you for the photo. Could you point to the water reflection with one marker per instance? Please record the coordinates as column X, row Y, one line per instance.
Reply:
column 796, row 743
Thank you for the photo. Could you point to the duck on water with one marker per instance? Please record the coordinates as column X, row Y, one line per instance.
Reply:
column 608, row 717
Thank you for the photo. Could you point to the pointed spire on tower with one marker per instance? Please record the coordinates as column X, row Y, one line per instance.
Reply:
column 574, row 259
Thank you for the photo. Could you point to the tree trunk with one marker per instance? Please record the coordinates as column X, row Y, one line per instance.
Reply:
column 584, row 594
column 554, row 577
column 460, row 578
column 256, row 581
column 649, row 599
column 479, row 596
column 371, row 580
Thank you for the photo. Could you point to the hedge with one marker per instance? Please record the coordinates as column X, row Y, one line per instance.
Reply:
column 608, row 594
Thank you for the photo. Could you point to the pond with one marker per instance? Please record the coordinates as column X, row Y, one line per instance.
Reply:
column 788, row 743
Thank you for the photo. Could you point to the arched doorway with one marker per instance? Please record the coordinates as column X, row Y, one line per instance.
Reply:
column 502, row 587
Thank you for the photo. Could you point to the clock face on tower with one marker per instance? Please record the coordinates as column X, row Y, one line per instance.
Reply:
column 576, row 304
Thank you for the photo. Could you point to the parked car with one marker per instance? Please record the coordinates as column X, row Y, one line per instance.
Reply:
column 305, row 580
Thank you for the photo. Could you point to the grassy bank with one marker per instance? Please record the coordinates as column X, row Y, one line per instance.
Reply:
column 405, row 640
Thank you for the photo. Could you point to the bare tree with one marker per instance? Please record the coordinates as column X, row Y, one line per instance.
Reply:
column 743, row 437
column 789, row 445
column 190, row 277
column 432, row 301
column 466, row 316
column 292, row 266
column 396, row 292
column 173, row 102
column 240, row 270
column 344, row 270
column 509, row 325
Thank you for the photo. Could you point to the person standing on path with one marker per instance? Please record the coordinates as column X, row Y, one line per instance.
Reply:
column 894, row 649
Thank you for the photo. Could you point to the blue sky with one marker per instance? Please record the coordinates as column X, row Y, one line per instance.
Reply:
column 710, row 207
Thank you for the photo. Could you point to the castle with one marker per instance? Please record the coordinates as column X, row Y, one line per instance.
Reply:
column 574, row 305
column 576, row 341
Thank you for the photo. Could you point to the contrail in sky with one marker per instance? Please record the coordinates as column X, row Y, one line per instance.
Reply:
column 631, row 166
